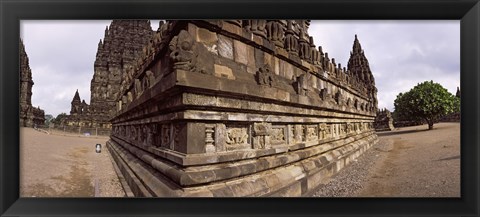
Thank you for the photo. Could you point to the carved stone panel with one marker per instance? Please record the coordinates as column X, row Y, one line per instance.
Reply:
column 210, row 138
column 323, row 131
column 237, row 137
column 311, row 132
column 278, row 135
column 166, row 135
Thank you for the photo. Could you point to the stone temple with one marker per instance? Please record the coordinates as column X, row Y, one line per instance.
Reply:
column 240, row 108
column 29, row 115
column 384, row 120
column 116, row 54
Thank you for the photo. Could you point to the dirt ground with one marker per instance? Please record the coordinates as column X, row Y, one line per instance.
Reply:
column 406, row 162
column 417, row 163
column 65, row 166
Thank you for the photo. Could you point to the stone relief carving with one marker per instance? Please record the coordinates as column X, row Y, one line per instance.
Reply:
column 302, row 84
column 165, row 142
column 312, row 133
column 323, row 134
column 265, row 76
column 257, row 27
column 236, row 138
column 275, row 32
column 210, row 138
column 278, row 135
column 291, row 42
column 339, row 98
column 304, row 51
column 138, row 88
column 183, row 52
column 350, row 128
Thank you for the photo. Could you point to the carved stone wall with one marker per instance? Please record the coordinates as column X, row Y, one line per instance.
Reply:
column 29, row 115
column 123, row 42
column 240, row 108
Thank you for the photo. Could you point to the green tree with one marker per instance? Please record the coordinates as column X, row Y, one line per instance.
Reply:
column 48, row 119
column 59, row 118
column 428, row 101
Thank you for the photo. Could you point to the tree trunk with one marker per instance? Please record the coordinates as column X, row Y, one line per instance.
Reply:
column 430, row 124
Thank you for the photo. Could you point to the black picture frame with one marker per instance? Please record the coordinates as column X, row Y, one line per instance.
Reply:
column 11, row 12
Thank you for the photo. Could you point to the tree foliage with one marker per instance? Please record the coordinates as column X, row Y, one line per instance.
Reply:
column 59, row 118
column 428, row 101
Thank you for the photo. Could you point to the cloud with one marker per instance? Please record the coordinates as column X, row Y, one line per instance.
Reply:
column 401, row 53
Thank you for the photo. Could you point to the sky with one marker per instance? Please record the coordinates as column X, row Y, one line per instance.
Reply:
column 401, row 55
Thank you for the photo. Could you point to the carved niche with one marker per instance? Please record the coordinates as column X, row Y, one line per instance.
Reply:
column 339, row 98
column 302, row 84
column 183, row 51
column 265, row 76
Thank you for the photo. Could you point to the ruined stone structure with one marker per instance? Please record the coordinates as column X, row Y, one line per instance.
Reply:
column 240, row 108
column 29, row 115
column 384, row 120
column 122, row 44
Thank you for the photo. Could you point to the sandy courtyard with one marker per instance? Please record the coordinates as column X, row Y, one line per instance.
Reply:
column 65, row 166
column 406, row 162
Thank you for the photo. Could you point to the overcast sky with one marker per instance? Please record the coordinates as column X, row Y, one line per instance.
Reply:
column 401, row 54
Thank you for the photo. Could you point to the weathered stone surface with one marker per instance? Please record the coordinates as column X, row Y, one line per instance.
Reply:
column 225, row 47
column 29, row 115
column 247, row 121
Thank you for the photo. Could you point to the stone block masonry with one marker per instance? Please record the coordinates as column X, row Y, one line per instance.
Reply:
column 240, row 108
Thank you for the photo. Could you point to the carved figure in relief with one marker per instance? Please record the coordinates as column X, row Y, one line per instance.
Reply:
column 339, row 98
column 349, row 128
column 150, row 77
column 129, row 97
column 236, row 136
column 166, row 135
column 183, row 52
column 312, row 133
column 302, row 84
column 265, row 76
column 323, row 130
column 277, row 135
column 138, row 88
